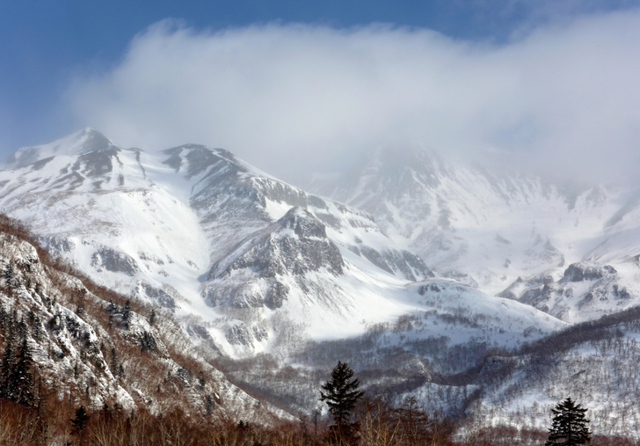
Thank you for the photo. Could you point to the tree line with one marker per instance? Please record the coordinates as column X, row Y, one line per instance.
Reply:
column 569, row 425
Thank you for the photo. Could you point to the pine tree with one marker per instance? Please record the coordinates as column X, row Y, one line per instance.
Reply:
column 341, row 395
column 37, row 328
column 3, row 318
column 126, row 314
column 7, row 389
column 114, row 363
column 23, row 329
column 569, row 425
column 80, row 420
column 208, row 405
column 22, row 377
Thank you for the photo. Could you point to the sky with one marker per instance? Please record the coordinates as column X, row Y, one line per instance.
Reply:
column 299, row 86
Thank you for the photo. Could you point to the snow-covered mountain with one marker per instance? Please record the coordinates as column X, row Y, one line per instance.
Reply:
column 200, row 232
column 491, row 228
column 429, row 269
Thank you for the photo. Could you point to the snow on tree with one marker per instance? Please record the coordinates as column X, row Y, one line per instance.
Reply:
column 23, row 376
column 7, row 389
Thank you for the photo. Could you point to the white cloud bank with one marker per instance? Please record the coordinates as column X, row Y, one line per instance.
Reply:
column 565, row 98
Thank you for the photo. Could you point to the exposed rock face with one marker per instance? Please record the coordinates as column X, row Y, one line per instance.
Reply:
column 463, row 278
column 96, row 163
column 114, row 261
column 84, row 141
column 58, row 336
column 160, row 296
column 239, row 335
column 578, row 272
column 276, row 295
column 294, row 246
column 533, row 283
column 277, row 251
column 491, row 224
column 395, row 261
column 127, row 217
column 585, row 288
column 57, row 245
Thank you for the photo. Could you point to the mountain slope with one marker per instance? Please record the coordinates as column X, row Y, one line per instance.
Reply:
column 253, row 268
column 490, row 227
column 101, row 352
column 154, row 224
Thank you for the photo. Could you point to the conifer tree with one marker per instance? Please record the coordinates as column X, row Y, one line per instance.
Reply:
column 80, row 420
column 6, row 370
column 22, row 376
column 3, row 318
column 341, row 395
column 569, row 425
column 126, row 314
column 37, row 328
column 114, row 363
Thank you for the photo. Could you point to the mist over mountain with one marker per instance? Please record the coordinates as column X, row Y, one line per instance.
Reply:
column 557, row 99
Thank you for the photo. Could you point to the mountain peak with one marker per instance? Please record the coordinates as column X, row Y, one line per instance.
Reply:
column 403, row 161
column 303, row 223
column 83, row 141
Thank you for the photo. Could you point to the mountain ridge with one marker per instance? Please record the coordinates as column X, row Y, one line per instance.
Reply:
column 257, row 271
column 494, row 228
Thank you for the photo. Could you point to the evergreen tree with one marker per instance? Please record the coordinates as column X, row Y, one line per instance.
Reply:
column 37, row 328
column 341, row 395
column 569, row 425
column 8, row 272
column 22, row 377
column 208, row 404
column 7, row 389
column 147, row 342
column 126, row 314
column 23, row 329
column 3, row 318
column 80, row 420
column 114, row 363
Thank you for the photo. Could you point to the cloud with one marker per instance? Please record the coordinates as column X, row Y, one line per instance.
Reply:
column 563, row 99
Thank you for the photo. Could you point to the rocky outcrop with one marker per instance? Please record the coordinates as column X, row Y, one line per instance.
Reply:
column 584, row 289
column 296, row 244
column 114, row 261
column 394, row 261
column 159, row 296
column 579, row 272
column 57, row 245
column 251, row 274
